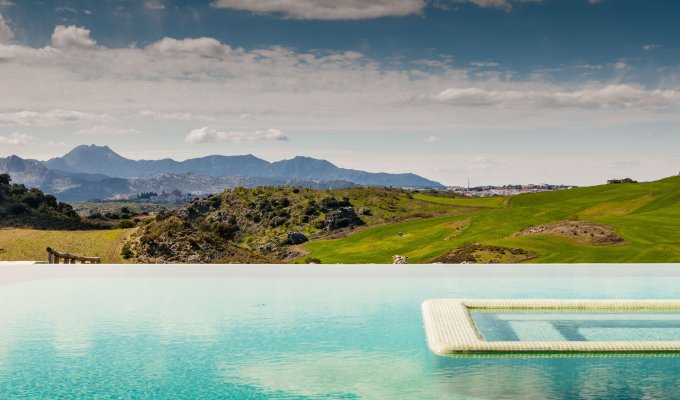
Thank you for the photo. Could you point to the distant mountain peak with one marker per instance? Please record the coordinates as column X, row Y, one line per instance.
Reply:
column 94, row 159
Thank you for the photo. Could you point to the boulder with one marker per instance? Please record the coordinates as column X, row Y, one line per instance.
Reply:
column 397, row 259
column 296, row 238
column 343, row 217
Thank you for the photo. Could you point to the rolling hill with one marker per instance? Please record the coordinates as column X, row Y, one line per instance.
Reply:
column 557, row 227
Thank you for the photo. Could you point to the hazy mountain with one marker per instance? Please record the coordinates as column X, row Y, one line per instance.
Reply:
column 75, row 187
column 33, row 173
column 102, row 160
column 89, row 172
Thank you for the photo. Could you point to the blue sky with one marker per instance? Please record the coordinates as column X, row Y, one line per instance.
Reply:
column 500, row 91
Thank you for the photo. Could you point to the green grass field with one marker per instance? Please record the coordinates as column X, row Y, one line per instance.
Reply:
column 489, row 202
column 30, row 244
column 645, row 215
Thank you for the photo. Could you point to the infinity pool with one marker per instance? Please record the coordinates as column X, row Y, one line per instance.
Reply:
column 298, row 332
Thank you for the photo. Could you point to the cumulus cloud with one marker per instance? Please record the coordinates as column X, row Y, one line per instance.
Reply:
column 17, row 139
column 103, row 130
column 72, row 37
column 184, row 84
column 6, row 33
column 432, row 139
column 651, row 46
column 611, row 96
column 154, row 5
column 45, row 118
column 6, row 3
column 210, row 135
column 327, row 9
column 207, row 47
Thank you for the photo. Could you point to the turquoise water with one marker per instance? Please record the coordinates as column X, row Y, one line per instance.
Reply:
column 566, row 326
column 320, row 335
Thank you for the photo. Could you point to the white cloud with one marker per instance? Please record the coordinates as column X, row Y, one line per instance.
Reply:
column 173, row 116
column 210, row 135
column 620, row 65
column 484, row 64
column 46, row 118
column 432, row 139
column 204, row 46
column 17, row 139
column 500, row 4
column 154, row 5
column 176, row 85
column 63, row 9
column 6, row 33
column 6, row 3
column 611, row 96
column 327, row 9
column 651, row 46
column 72, row 37
column 103, row 130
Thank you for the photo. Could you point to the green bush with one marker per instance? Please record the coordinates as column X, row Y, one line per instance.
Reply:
column 125, row 224
column 126, row 253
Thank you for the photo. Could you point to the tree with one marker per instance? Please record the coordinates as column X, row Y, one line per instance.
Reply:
column 5, row 179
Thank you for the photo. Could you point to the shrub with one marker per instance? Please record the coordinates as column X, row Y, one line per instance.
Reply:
column 32, row 199
column 125, row 224
column 126, row 253
column 226, row 230
column 16, row 209
column 5, row 179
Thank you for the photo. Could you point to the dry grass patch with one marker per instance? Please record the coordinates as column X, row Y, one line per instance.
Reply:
column 30, row 244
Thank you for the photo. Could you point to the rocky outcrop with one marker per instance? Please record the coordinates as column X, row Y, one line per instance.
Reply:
column 296, row 238
column 397, row 259
column 591, row 233
column 342, row 217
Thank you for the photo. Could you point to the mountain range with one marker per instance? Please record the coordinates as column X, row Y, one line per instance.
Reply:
column 88, row 172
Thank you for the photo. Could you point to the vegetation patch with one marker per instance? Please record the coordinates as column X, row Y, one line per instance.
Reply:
column 31, row 208
column 477, row 253
column 590, row 233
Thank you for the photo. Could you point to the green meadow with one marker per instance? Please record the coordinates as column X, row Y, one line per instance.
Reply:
column 645, row 215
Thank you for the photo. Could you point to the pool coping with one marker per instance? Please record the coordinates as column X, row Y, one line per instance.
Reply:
column 450, row 329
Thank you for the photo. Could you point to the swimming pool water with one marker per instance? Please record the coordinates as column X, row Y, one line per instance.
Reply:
column 585, row 326
column 298, row 333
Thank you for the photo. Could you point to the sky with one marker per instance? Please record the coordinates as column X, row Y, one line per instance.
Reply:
column 495, row 91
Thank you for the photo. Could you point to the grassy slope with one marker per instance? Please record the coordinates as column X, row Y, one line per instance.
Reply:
column 494, row 202
column 29, row 244
column 650, row 224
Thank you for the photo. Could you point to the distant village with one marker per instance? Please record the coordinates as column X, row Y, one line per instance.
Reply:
column 172, row 197
column 505, row 190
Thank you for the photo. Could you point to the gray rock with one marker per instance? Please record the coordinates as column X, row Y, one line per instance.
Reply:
column 296, row 238
column 342, row 218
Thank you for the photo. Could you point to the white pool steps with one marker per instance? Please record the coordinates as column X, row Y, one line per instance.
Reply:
column 450, row 329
